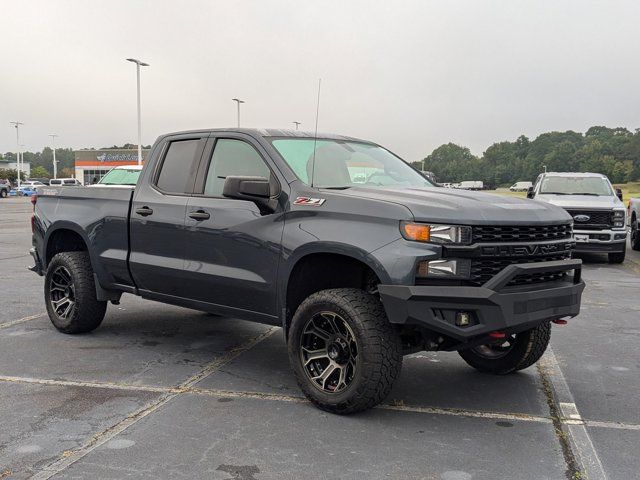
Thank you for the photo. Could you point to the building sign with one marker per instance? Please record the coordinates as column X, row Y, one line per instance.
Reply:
column 108, row 156
column 117, row 157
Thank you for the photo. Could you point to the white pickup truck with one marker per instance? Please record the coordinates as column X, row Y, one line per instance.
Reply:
column 599, row 216
column 634, row 221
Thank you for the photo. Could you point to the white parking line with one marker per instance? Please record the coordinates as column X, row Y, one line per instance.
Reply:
column 20, row 320
column 582, row 447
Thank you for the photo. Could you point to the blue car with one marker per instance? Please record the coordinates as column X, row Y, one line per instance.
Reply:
column 22, row 192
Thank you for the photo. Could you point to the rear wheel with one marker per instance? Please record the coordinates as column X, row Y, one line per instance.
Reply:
column 515, row 352
column 635, row 234
column 617, row 257
column 70, row 294
column 343, row 350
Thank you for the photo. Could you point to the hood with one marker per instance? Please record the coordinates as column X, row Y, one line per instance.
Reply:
column 581, row 201
column 445, row 205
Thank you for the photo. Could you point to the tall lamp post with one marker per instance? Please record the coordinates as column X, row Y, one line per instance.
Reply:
column 138, row 65
column 238, row 101
column 297, row 124
column 17, row 125
column 53, row 146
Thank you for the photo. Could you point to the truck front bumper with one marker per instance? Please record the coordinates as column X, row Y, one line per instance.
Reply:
column 603, row 241
column 492, row 307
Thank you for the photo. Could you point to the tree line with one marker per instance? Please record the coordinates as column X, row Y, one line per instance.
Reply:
column 614, row 152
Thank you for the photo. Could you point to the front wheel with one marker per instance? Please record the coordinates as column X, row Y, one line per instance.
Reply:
column 617, row 257
column 344, row 352
column 515, row 352
column 635, row 235
column 70, row 294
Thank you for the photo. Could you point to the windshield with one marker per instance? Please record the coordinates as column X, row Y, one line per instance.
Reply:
column 596, row 186
column 120, row 176
column 344, row 164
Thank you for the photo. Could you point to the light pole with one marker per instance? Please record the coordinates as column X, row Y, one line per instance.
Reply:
column 53, row 146
column 23, row 148
column 138, row 65
column 297, row 124
column 238, row 101
column 17, row 125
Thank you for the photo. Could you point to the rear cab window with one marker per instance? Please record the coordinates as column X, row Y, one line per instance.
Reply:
column 179, row 165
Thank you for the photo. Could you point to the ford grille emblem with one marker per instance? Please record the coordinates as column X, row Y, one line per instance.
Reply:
column 582, row 218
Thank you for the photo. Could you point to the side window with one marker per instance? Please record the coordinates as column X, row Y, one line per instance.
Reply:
column 233, row 158
column 177, row 170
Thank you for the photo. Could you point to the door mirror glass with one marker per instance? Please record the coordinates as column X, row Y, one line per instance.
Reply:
column 530, row 193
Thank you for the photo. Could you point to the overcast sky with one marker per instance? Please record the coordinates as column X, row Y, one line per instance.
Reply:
column 410, row 75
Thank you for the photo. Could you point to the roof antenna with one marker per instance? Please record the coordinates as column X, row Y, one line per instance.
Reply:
column 315, row 135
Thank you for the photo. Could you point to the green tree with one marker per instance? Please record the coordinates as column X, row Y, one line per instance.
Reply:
column 39, row 172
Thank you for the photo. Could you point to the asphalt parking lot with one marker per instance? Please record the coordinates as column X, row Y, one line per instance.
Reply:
column 160, row 391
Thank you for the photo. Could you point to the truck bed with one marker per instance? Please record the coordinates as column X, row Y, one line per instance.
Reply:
column 100, row 216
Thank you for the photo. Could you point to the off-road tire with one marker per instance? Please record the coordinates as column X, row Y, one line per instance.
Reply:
column 635, row 234
column 529, row 346
column 3, row 193
column 379, row 349
column 88, row 312
column 617, row 257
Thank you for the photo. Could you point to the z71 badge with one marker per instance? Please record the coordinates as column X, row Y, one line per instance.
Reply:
column 312, row 202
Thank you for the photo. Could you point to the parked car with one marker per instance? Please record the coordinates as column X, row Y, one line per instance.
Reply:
column 261, row 225
column 596, row 207
column 23, row 191
column 5, row 188
column 634, row 222
column 64, row 182
column 122, row 176
column 42, row 180
column 471, row 185
column 521, row 186
column 32, row 183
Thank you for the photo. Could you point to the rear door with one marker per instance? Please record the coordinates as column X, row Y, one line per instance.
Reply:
column 158, row 234
column 234, row 248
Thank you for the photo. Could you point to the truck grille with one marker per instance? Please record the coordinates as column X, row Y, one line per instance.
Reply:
column 486, row 268
column 598, row 219
column 499, row 234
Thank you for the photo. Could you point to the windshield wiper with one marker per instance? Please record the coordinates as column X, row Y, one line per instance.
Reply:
column 554, row 193
column 585, row 193
column 338, row 188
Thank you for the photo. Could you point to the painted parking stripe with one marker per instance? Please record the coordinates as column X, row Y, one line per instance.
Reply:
column 21, row 320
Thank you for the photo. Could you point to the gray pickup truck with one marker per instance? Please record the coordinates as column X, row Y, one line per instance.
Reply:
column 270, row 226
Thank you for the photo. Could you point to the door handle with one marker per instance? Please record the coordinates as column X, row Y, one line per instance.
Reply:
column 199, row 215
column 144, row 211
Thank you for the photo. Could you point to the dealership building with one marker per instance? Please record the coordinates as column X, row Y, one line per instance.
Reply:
column 92, row 165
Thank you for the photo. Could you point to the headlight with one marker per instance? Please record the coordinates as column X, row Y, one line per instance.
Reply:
column 618, row 218
column 443, row 234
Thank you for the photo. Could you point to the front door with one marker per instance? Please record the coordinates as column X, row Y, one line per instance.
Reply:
column 233, row 248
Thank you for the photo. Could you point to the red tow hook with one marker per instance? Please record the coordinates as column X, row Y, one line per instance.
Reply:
column 497, row 335
column 559, row 321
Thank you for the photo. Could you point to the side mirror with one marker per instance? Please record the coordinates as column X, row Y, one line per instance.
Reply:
column 530, row 193
column 254, row 189
column 619, row 193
